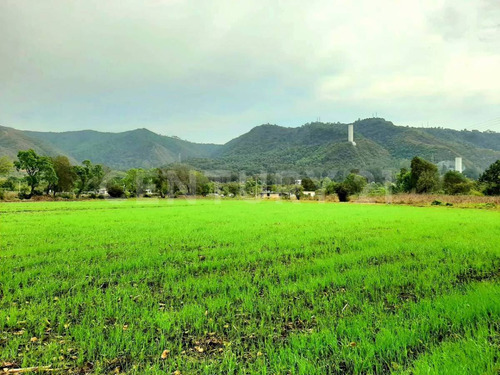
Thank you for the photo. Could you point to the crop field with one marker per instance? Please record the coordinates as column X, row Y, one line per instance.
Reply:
column 231, row 287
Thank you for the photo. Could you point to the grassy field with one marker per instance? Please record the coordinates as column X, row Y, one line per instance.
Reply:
column 162, row 287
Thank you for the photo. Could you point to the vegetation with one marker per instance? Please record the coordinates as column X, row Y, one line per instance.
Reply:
column 37, row 168
column 57, row 175
column 491, row 179
column 155, row 287
column 5, row 165
column 315, row 147
column 455, row 182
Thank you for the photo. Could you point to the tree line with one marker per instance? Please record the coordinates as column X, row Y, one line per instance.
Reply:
column 56, row 175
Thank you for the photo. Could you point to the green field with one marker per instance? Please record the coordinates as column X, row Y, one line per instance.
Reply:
column 249, row 287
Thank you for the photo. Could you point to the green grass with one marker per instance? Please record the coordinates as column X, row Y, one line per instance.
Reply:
column 246, row 287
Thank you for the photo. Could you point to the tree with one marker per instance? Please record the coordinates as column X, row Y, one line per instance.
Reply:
column 88, row 176
column 198, row 183
column 298, row 191
column 34, row 165
column 252, row 186
column 456, row 183
column 491, row 179
column 5, row 165
column 135, row 181
column 403, row 181
column 355, row 183
column 160, row 180
column 65, row 174
column 179, row 178
column 342, row 192
column 11, row 183
column 330, row 188
column 424, row 176
column 115, row 190
column 308, row 184
column 49, row 175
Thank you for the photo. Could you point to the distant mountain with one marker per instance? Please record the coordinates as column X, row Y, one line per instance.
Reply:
column 380, row 144
column 136, row 148
column 319, row 146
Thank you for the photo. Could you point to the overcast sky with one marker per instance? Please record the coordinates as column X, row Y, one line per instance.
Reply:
column 211, row 70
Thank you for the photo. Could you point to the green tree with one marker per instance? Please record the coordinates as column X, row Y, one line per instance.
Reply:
column 456, row 183
column 50, row 177
column 355, row 183
column 5, row 165
column 114, row 189
column 403, row 181
column 298, row 191
column 198, row 183
column 342, row 192
column 34, row 165
column 134, row 181
column 234, row 188
column 330, row 188
column 424, row 176
column 11, row 183
column 491, row 179
column 308, row 184
column 65, row 174
column 160, row 180
column 88, row 176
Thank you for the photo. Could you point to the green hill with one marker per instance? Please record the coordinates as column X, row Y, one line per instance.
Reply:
column 136, row 148
column 380, row 144
column 316, row 146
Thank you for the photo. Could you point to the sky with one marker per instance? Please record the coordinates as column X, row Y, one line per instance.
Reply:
column 208, row 71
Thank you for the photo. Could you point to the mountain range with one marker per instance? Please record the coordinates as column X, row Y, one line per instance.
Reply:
column 379, row 144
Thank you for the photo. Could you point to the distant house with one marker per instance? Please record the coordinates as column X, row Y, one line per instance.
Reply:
column 298, row 182
column 310, row 193
column 103, row 191
column 270, row 194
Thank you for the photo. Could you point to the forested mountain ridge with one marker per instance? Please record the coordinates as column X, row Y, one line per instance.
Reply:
column 135, row 148
column 379, row 144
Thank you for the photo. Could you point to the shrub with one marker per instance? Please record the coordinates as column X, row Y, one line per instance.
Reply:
column 491, row 179
column 455, row 183
column 342, row 192
column 115, row 191
column 67, row 195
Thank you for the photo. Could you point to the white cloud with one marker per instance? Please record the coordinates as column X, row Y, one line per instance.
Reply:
column 175, row 66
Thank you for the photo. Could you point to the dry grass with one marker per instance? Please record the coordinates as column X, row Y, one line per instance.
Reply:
column 427, row 199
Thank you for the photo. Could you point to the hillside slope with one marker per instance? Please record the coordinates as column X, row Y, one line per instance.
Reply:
column 318, row 146
column 13, row 140
column 380, row 144
column 136, row 148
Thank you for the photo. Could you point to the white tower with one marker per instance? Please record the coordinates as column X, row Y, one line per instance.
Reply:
column 350, row 134
column 458, row 164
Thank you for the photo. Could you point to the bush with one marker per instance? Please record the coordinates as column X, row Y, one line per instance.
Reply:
column 455, row 183
column 342, row 192
column 436, row 203
column 491, row 179
column 115, row 191
column 24, row 193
